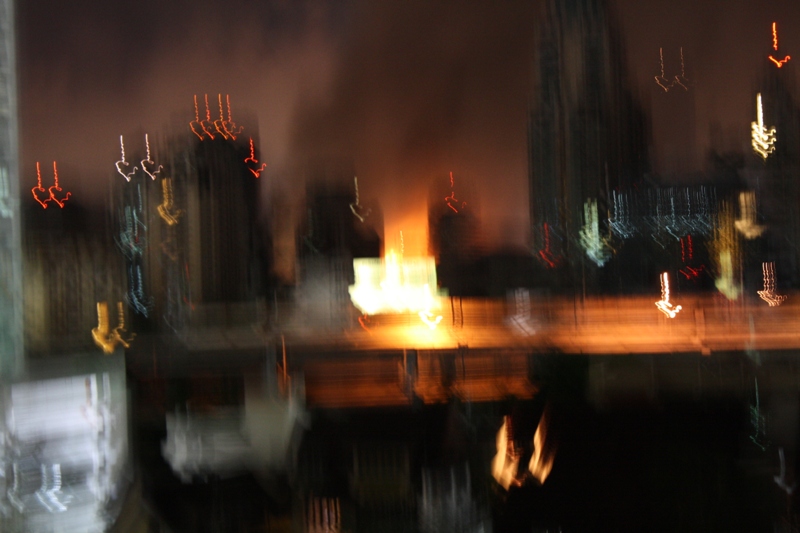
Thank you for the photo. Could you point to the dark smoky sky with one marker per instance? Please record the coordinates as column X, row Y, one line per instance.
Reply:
column 410, row 89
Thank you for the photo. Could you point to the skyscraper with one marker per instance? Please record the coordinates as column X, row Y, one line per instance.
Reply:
column 587, row 133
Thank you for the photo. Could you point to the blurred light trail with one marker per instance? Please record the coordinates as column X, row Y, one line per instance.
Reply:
column 356, row 207
column 219, row 124
column 505, row 463
column 59, row 201
column 195, row 124
column 778, row 62
column 39, row 188
column 596, row 247
column 165, row 209
column 252, row 159
column 545, row 253
column 122, row 163
column 680, row 79
column 662, row 80
column 746, row 224
column 106, row 338
column 768, row 294
column 781, row 479
column 763, row 139
column 452, row 198
column 544, row 451
column 664, row 304
column 207, row 123
column 147, row 161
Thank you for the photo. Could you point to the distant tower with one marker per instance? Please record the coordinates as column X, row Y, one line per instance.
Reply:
column 587, row 134
column 11, row 345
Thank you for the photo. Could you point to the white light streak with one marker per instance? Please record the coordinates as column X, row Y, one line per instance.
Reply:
column 664, row 304
column 763, row 139
column 768, row 294
column 148, row 161
column 595, row 246
column 122, row 163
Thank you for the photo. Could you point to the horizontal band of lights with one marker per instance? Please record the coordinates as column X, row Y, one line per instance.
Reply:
column 595, row 246
column 747, row 224
column 122, row 165
column 396, row 285
column 763, row 139
column 768, row 294
column 777, row 62
column 359, row 212
column 252, row 163
column 664, row 305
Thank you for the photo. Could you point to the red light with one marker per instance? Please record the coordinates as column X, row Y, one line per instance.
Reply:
column 546, row 255
column 778, row 62
column 252, row 159
column 39, row 188
column 206, row 124
column 196, row 124
column 61, row 201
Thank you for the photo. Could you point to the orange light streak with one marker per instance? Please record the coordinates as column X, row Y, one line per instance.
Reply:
column 452, row 197
column 545, row 253
column 666, row 86
column 148, row 161
column 197, row 122
column 219, row 124
column 61, row 201
column 206, row 124
column 39, row 188
column 230, row 126
column 252, row 159
column 778, row 62
column 165, row 208
column 682, row 75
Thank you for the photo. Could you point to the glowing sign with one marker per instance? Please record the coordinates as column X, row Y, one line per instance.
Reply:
column 5, row 210
column 165, row 208
column 763, row 138
column 450, row 200
column 146, row 161
column 746, row 223
column 122, row 163
column 252, row 159
column 105, row 337
column 596, row 247
column 768, row 294
column 664, row 304
column 395, row 285
column 355, row 208
column 778, row 62
column 41, row 199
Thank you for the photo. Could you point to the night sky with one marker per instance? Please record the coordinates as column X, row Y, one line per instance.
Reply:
column 411, row 89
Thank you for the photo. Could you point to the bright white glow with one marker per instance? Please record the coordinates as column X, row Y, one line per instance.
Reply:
column 595, row 246
column 768, row 294
column 746, row 223
column 763, row 138
column 664, row 304
column 396, row 285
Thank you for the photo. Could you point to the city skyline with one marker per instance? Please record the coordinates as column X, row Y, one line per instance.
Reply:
column 410, row 91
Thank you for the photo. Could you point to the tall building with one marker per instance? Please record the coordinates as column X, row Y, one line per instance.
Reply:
column 587, row 133
column 11, row 343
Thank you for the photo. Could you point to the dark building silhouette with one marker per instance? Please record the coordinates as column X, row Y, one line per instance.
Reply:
column 587, row 133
